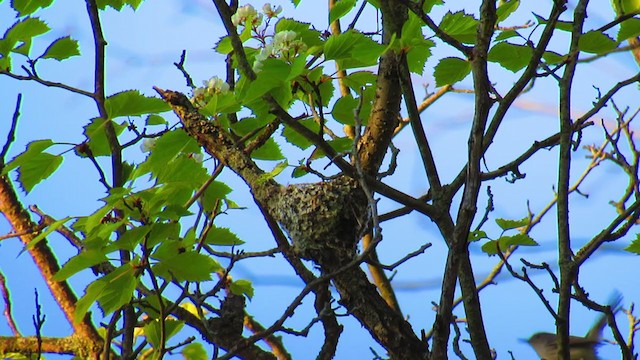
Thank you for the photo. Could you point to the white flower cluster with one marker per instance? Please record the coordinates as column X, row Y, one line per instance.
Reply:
column 245, row 13
column 285, row 45
column 215, row 85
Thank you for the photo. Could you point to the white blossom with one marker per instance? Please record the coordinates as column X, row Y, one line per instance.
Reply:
column 245, row 13
column 270, row 11
column 211, row 87
column 285, row 45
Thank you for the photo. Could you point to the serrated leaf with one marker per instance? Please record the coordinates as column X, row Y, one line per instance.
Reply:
column 339, row 145
column 295, row 138
column 38, row 168
column 340, row 9
column 118, row 4
column 187, row 266
column 460, row 26
column 27, row 7
column 506, row 224
column 212, row 196
column 132, row 237
column 133, row 103
column 417, row 48
column 629, row 28
column 26, row 29
column 359, row 79
column 224, row 46
column 510, row 56
column 240, row 287
column 33, row 149
column 167, row 150
column 352, row 49
column 595, row 42
column 97, row 136
column 222, row 237
column 634, row 247
column 111, row 291
column 269, row 151
column 506, row 8
column 61, row 49
column 194, row 351
column 272, row 75
column 451, row 70
column 83, row 260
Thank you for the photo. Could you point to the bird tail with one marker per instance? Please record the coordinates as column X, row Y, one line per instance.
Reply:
column 615, row 302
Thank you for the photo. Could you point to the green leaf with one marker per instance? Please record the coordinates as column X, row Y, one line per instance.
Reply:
column 42, row 235
column 352, row 49
column 340, row 9
column 506, row 224
column 212, row 196
column 26, row 29
column 153, row 331
column 96, row 134
column 224, row 46
column 61, row 49
column 507, row 34
column 340, row 145
column 451, row 70
column 552, row 57
column 37, row 168
column 33, row 149
column 273, row 173
column 504, row 242
column 506, row 8
column 634, row 247
column 429, row 4
column 460, row 26
column 155, row 120
column 560, row 25
column 510, row 56
column 629, row 28
column 343, row 110
column 272, row 75
column 269, row 151
column 477, row 235
column 417, row 48
column 187, row 266
column 133, row 103
column 194, row 351
column 223, row 237
column 111, row 291
column 83, row 260
column 28, row 7
column 118, row 4
column 295, row 138
column 161, row 232
column 169, row 149
column 595, row 42
column 240, row 287
column 360, row 79
column 132, row 237
column 630, row 6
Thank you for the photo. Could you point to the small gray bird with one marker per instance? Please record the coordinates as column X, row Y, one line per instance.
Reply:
column 580, row 348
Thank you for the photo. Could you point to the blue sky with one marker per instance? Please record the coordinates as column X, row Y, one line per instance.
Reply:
column 142, row 47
